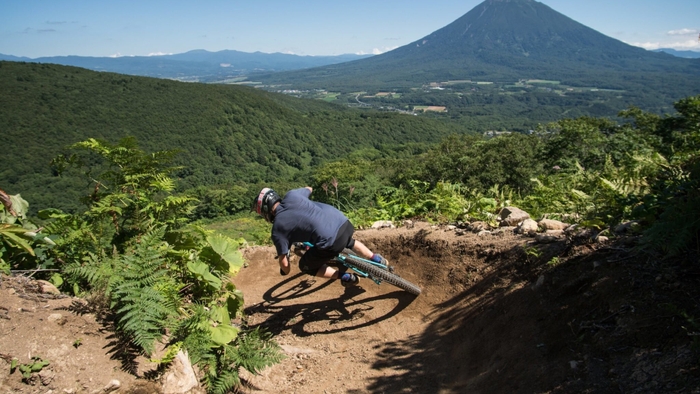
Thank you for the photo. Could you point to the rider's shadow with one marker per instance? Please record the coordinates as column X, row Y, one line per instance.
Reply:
column 343, row 313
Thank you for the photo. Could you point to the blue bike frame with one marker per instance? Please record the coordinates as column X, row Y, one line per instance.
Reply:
column 341, row 258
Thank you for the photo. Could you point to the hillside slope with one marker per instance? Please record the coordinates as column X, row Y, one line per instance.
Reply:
column 226, row 134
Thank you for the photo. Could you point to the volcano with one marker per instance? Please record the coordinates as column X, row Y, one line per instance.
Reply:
column 507, row 40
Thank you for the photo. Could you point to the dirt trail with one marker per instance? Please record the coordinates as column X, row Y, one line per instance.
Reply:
column 381, row 339
column 492, row 318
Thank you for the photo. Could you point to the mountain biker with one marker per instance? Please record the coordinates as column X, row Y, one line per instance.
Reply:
column 296, row 218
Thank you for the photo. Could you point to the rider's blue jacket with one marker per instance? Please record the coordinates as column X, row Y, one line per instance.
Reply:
column 298, row 219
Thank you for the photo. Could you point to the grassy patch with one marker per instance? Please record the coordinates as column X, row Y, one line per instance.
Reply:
column 253, row 230
column 544, row 81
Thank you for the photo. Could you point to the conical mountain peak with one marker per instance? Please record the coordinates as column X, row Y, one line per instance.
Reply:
column 500, row 41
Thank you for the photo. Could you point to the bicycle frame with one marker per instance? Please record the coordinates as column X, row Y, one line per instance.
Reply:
column 341, row 259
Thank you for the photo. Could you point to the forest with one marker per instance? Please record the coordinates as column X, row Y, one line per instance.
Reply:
column 225, row 134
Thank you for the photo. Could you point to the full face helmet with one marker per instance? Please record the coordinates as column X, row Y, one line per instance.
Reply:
column 264, row 203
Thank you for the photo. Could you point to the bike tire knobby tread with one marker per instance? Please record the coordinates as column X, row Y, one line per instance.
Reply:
column 384, row 275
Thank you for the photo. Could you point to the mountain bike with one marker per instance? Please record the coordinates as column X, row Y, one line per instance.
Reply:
column 364, row 268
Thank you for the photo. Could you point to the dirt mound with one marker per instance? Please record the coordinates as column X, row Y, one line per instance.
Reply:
column 497, row 314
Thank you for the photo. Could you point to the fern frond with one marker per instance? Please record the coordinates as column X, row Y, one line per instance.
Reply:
column 141, row 307
column 224, row 382
column 99, row 273
column 255, row 351
column 162, row 182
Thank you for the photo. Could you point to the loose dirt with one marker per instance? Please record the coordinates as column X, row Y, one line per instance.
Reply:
column 498, row 313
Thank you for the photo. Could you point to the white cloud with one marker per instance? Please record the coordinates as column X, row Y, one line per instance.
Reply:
column 680, row 39
column 150, row 54
column 682, row 32
column 377, row 51
column 691, row 44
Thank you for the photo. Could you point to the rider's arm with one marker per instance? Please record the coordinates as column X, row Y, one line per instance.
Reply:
column 284, row 264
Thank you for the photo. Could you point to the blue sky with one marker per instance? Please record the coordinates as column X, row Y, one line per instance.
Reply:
column 36, row 28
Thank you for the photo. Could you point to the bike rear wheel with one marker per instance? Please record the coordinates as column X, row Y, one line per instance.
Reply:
column 384, row 275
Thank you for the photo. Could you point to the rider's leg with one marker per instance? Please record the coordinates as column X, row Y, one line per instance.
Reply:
column 317, row 258
column 347, row 279
column 362, row 250
column 327, row 272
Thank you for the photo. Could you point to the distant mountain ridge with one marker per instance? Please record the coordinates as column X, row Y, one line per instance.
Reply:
column 196, row 64
column 677, row 53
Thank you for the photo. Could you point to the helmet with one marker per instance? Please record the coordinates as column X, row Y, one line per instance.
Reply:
column 264, row 203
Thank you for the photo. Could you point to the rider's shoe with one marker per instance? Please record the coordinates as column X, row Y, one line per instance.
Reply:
column 349, row 280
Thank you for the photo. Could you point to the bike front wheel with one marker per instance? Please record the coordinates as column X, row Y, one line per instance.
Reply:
column 383, row 275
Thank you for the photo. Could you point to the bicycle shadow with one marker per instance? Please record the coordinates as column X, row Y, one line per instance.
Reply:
column 347, row 312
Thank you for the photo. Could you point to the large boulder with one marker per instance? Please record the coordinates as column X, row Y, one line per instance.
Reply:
column 512, row 216
column 383, row 224
column 549, row 224
column 180, row 377
column 527, row 227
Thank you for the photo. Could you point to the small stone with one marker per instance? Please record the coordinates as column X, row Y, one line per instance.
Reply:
column 540, row 281
column 47, row 287
column 57, row 318
column 113, row 385
column 46, row 376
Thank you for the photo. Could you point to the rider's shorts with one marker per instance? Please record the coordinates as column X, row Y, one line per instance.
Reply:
column 315, row 258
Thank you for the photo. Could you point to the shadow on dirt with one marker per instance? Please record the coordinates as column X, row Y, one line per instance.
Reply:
column 347, row 312
column 578, row 330
column 482, row 336
column 123, row 350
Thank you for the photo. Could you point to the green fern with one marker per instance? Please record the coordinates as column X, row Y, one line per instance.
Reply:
column 252, row 351
column 98, row 272
column 255, row 351
column 143, row 311
column 223, row 382
column 131, row 246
